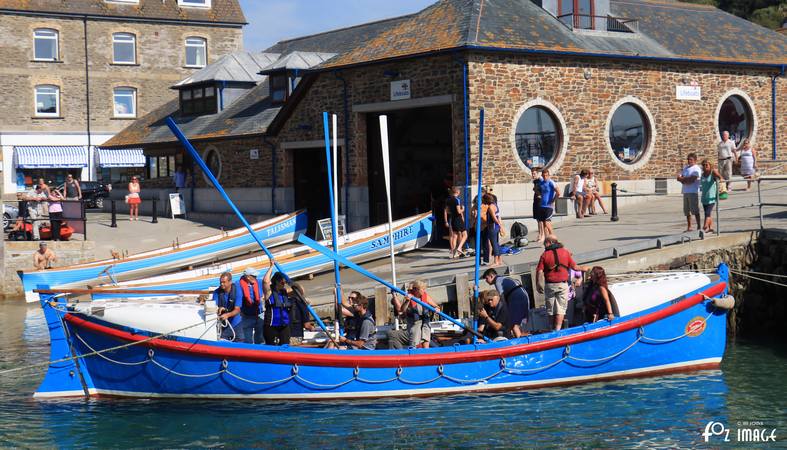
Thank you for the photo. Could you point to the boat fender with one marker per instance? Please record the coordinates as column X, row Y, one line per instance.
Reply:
column 726, row 302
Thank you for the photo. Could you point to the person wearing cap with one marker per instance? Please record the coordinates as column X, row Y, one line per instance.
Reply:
column 252, row 308
column 44, row 257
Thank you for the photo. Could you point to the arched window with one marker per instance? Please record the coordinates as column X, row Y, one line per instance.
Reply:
column 124, row 48
column 196, row 52
column 629, row 133
column 47, row 100
column 735, row 116
column 213, row 160
column 46, row 46
column 125, row 102
column 538, row 137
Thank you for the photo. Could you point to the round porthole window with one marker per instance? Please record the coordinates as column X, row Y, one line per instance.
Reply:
column 538, row 137
column 212, row 159
column 629, row 133
column 735, row 117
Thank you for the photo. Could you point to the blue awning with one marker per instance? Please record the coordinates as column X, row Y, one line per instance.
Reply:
column 121, row 157
column 50, row 157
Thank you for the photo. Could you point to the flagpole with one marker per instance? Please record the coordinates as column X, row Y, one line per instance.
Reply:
column 387, row 174
column 478, row 222
column 334, row 237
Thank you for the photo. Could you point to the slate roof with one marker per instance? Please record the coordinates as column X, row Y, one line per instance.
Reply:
column 298, row 61
column 221, row 11
column 241, row 67
column 667, row 29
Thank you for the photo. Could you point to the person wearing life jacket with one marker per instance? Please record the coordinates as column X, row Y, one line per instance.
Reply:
column 418, row 328
column 252, row 308
column 365, row 335
column 553, row 267
column 228, row 300
column 277, row 309
column 515, row 297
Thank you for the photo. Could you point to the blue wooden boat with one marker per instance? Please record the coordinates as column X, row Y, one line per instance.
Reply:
column 275, row 231
column 682, row 333
column 361, row 246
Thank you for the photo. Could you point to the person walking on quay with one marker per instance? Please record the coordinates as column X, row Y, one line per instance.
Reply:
column 690, row 179
column 454, row 215
column 491, row 230
column 179, row 178
column 553, row 268
column 35, row 209
column 549, row 194
column 55, row 213
column 252, row 308
column 133, row 199
column 708, row 185
column 73, row 189
column 726, row 153
column 44, row 257
column 748, row 162
column 536, row 175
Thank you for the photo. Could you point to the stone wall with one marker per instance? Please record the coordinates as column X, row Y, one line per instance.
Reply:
column 585, row 93
column 160, row 64
column 19, row 256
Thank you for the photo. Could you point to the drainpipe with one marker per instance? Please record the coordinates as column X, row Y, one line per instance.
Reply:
column 773, row 108
column 273, row 172
column 345, row 99
column 90, row 167
column 465, row 119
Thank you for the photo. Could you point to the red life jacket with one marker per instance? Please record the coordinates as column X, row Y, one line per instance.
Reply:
column 252, row 304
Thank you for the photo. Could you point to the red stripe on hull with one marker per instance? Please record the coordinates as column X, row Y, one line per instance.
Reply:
column 369, row 360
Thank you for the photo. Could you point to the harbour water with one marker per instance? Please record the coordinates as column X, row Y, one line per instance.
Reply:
column 670, row 411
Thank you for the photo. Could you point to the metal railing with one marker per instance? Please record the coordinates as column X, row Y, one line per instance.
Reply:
column 601, row 23
column 68, row 216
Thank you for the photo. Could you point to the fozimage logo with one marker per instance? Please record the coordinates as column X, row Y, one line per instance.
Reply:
column 747, row 431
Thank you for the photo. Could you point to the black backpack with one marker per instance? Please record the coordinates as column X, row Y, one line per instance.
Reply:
column 519, row 234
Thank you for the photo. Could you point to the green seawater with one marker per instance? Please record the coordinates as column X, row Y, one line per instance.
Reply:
column 662, row 412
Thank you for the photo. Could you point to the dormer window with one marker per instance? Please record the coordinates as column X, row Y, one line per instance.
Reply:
column 198, row 101
column 579, row 12
column 279, row 87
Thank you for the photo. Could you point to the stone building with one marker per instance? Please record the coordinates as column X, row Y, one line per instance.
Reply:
column 125, row 53
column 627, row 87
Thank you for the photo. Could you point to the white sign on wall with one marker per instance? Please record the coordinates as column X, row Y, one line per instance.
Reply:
column 688, row 92
column 400, row 90
column 254, row 153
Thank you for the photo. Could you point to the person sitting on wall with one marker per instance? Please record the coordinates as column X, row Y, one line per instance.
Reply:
column 494, row 320
column 252, row 308
column 277, row 308
column 228, row 300
column 44, row 257
column 299, row 317
column 364, row 338
column 516, row 299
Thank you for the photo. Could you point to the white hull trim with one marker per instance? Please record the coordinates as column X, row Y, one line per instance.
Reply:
column 480, row 387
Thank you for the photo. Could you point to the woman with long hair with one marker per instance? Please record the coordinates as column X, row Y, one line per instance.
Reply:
column 597, row 297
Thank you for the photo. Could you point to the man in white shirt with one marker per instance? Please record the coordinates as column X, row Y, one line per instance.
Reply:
column 726, row 153
column 690, row 179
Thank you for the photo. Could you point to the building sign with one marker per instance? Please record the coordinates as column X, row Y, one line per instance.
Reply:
column 688, row 92
column 176, row 205
column 400, row 90
column 254, row 153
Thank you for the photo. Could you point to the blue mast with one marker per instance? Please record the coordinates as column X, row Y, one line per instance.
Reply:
column 478, row 221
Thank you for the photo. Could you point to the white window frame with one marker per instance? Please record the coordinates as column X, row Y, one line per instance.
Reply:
column 133, row 91
column 55, row 38
column 193, row 4
column 133, row 43
column 203, row 45
column 57, row 100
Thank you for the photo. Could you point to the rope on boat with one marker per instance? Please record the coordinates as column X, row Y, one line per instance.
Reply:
column 737, row 272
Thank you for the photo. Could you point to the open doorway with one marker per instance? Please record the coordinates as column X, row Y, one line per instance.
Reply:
column 310, row 175
column 421, row 156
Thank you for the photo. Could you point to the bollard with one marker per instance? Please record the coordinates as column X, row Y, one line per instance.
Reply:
column 155, row 212
column 614, row 217
column 114, row 223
